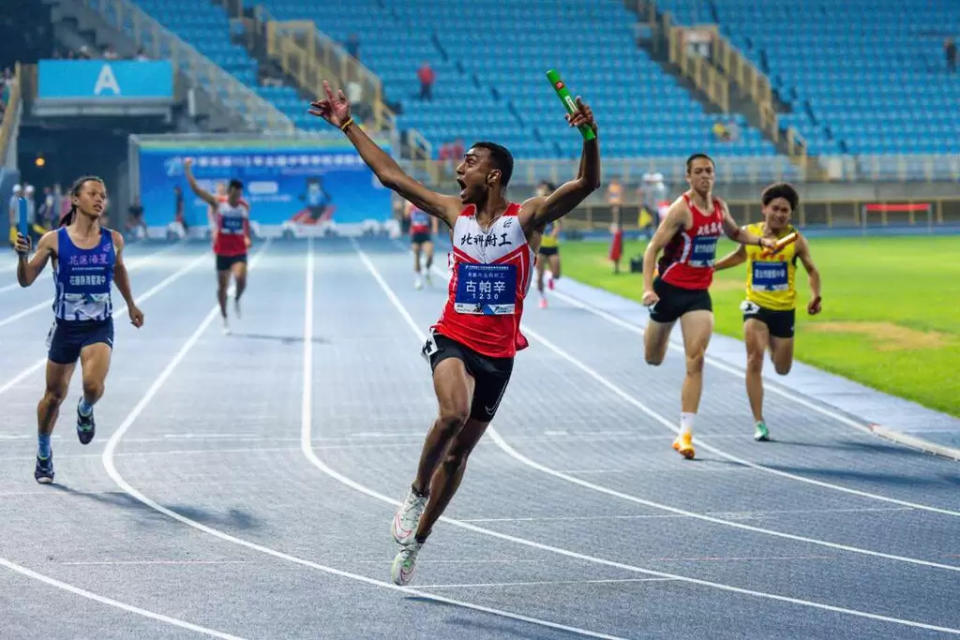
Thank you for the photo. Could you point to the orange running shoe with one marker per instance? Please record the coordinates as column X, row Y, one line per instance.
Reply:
column 684, row 445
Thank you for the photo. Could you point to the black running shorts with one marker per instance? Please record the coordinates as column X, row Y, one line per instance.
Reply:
column 780, row 323
column 675, row 301
column 491, row 374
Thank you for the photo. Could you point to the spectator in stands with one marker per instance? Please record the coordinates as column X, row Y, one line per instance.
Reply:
column 141, row 55
column 733, row 129
column 84, row 53
column 950, row 50
column 109, row 53
column 457, row 149
column 427, row 77
column 353, row 45
column 47, row 212
column 355, row 96
column 720, row 131
column 136, row 227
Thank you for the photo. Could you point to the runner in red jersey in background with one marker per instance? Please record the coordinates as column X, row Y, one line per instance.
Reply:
column 231, row 238
column 688, row 237
column 422, row 228
column 471, row 347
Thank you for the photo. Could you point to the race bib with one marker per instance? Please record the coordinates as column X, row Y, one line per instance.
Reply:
column 749, row 308
column 704, row 251
column 770, row 276
column 486, row 289
column 231, row 224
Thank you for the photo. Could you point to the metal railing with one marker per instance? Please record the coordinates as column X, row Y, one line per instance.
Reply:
column 832, row 213
column 736, row 169
column 725, row 66
column 11, row 119
column 311, row 57
column 160, row 42
column 696, row 68
column 753, row 82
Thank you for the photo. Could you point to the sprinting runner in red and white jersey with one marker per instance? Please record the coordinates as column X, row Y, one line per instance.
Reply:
column 688, row 237
column 471, row 347
column 422, row 228
column 230, row 226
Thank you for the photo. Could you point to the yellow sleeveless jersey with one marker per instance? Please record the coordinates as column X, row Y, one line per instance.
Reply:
column 547, row 241
column 770, row 279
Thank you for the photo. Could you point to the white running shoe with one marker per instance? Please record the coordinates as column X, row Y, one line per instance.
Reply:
column 426, row 277
column 405, row 521
column 226, row 326
column 404, row 564
column 417, row 283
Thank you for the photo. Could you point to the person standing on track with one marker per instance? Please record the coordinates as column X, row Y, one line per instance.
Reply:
column 422, row 228
column 86, row 259
column 471, row 348
column 769, row 310
column 549, row 252
column 231, row 238
column 688, row 237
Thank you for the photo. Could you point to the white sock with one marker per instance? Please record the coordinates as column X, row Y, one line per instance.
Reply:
column 686, row 422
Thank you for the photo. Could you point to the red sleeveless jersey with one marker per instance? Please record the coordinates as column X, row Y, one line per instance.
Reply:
column 232, row 227
column 688, row 258
column 491, row 276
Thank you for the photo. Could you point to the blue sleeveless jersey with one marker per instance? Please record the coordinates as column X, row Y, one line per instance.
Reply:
column 82, row 278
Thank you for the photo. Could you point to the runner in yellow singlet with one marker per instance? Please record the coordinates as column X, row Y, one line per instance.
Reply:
column 548, row 255
column 768, row 311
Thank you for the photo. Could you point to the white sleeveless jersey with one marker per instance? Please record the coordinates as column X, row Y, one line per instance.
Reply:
column 491, row 275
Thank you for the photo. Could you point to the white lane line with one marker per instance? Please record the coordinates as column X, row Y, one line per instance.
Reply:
column 135, row 264
column 703, row 442
column 119, row 563
column 139, row 300
column 572, row 554
column 306, row 422
column 495, row 436
column 645, row 516
column 183, row 624
column 539, row 583
column 110, row 467
column 769, row 385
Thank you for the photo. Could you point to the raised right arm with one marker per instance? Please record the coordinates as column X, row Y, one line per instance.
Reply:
column 201, row 193
column 336, row 111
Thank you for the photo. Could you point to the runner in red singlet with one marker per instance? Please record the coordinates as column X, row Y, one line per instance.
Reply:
column 688, row 237
column 471, row 347
column 422, row 228
column 230, row 224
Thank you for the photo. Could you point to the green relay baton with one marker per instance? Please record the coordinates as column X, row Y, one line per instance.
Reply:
column 568, row 102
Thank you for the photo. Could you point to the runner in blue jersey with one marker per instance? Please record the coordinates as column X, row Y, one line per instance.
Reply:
column 86, row 259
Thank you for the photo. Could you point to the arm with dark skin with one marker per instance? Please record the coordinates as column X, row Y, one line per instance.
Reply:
column 29, row 268
column 803, row 252
column 201, row 193
column 539, row 211
column 336, row 110
column 122, row 279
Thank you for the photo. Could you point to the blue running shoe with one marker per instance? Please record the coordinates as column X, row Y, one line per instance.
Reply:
column 43, row 472
column 86, row 427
